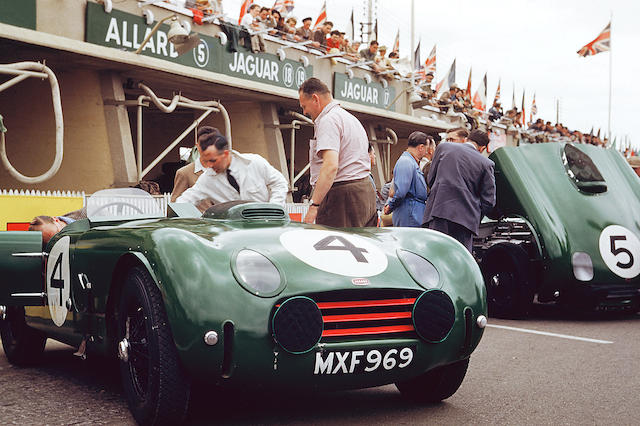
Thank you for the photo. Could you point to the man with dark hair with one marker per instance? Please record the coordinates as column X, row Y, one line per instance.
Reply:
column 304, row 31
column 370, row 53
column 410, row 189
column 320, row 35
column 187, row 176
column 231, row 176
column 462, row 186
column 340, row 164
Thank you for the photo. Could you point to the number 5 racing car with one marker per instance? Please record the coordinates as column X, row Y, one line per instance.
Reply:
column 568, row 230
column 242, row 296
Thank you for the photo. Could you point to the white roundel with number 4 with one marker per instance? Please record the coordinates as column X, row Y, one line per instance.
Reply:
column 620, row 250
column 58, row 281
column 336, row 252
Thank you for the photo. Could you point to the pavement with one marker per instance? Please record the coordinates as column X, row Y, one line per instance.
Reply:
column 551, row 368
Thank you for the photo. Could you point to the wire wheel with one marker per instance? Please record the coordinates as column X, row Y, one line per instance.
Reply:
column 155, row 385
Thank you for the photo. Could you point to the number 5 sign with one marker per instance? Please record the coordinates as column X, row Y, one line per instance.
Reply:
column 620, row 250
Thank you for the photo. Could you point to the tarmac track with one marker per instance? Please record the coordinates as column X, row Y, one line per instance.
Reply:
column 515, row 377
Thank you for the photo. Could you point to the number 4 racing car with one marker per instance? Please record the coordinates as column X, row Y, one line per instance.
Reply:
column 242, row 296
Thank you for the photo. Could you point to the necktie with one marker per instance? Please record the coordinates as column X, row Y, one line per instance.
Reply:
column 232, row 181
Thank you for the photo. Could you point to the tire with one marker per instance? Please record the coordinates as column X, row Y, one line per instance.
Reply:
column 435, row 385
column 155, row 385
column 22, row 344
column 505, row 271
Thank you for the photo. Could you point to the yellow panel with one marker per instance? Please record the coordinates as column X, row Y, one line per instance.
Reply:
column 23, row 208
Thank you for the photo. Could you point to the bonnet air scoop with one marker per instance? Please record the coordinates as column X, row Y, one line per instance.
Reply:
column 246, row 210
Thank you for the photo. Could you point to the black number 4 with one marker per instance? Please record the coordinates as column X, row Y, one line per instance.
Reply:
column 616, row 251
column 57, row 282
column 323, row 244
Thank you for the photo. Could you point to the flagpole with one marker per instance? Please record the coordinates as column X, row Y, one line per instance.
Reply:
column 413, row 47
column 610, row 73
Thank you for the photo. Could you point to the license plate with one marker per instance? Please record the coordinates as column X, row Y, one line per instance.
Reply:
column 363, row 361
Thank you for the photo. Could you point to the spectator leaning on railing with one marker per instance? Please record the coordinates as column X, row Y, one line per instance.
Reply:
column 305, row 32
column 320, row 35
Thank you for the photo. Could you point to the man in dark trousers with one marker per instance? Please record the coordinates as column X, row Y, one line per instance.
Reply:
column 463, row 188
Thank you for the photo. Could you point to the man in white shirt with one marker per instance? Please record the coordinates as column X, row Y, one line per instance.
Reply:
column 188, row 175
column 340, row 166
column 233, row 176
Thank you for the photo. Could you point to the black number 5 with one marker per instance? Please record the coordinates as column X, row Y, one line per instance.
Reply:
column 616, row 251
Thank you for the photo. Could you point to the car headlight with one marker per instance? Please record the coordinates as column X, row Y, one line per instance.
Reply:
column 256, row 273
column 582, row 266
column 420, row 269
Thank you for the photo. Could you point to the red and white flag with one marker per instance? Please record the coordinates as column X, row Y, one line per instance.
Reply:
column 534, row 109
column 283, row 6
column 396, row 43
column 322, row 17
column 448, row 79
column 480, row 97
column 522, row 117
column 430, row 63
column 244, row 8
column 467, row 92
column 602, row 43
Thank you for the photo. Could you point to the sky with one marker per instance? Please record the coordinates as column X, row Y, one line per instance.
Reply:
column 528, row 44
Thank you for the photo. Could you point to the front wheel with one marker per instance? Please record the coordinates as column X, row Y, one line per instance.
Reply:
column 156, row 387
column 435, row 385
column 22, row 345
column 505, row 270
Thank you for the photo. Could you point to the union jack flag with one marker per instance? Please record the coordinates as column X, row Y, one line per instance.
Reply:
column 430, row 63
column 244, row 8
column 283, row 6
column 602, row 43
column 322, row 17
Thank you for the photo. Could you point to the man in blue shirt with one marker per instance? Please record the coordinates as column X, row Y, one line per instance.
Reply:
column 410, row 189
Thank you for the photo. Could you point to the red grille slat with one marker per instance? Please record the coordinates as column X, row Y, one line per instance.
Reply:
column 365, row 303
column 366, row 317
column 367, row 330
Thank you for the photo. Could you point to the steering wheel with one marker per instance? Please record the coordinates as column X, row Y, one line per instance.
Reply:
column 122, row 204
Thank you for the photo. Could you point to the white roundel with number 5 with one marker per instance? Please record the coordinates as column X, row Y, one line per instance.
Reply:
column 620, row 250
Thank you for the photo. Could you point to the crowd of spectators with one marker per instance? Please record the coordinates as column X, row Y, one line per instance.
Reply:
column 539, row 131
column 259, row 21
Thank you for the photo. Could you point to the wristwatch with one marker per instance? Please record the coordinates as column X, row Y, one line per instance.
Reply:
column 314, row 204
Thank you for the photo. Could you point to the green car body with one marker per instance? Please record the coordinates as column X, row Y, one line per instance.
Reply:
column 193, row 263
column 579, row 204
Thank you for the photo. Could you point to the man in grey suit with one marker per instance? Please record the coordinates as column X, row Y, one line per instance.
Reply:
column 463, row 188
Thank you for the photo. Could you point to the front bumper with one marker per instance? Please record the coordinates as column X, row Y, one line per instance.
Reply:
column 248, row 353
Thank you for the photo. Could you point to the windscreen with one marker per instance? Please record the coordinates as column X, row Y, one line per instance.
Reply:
column 123, row 203
column 579, row 166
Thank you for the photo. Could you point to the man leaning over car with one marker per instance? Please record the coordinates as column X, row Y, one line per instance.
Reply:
column 233, row 176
